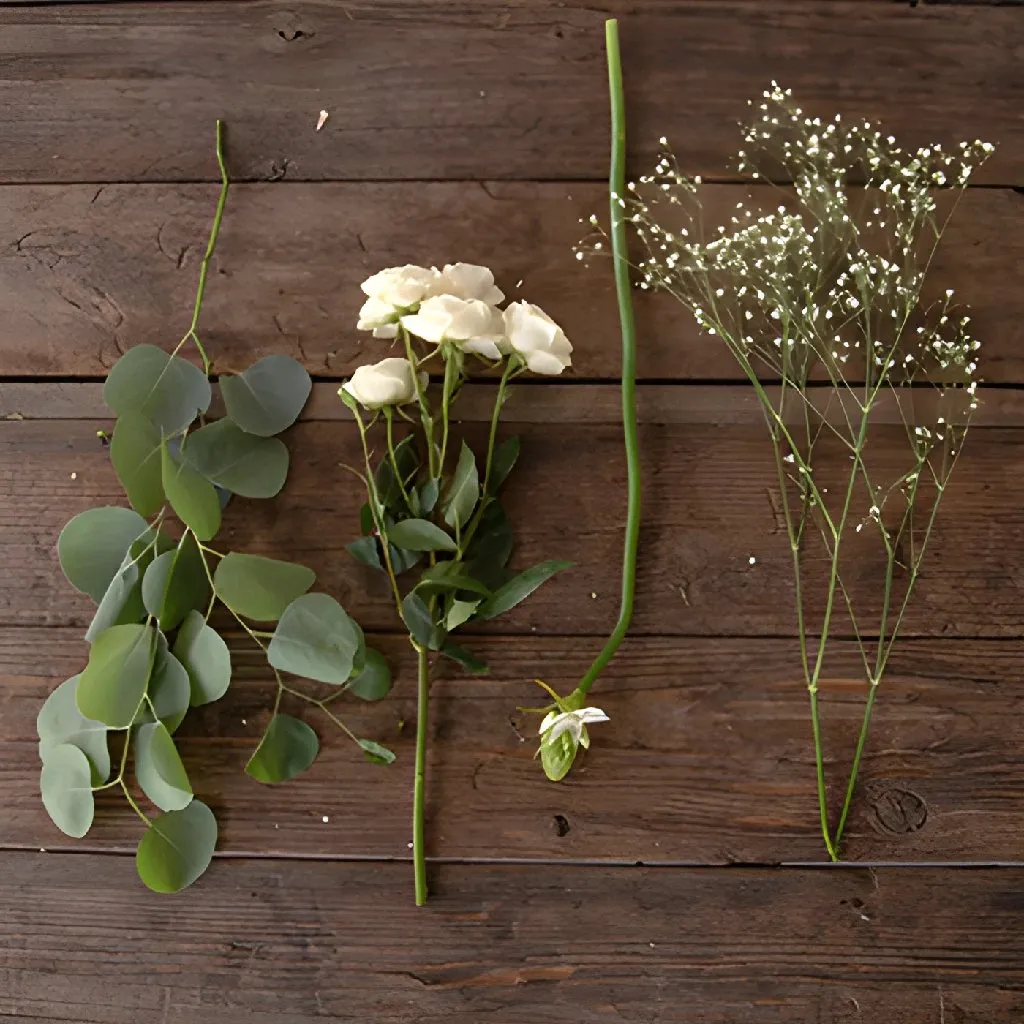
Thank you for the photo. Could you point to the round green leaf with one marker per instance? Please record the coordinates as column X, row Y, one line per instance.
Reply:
column 66, row 785
column 316, row 639
column 169, row 690
column 260, row 588
column 135, row 453
column 420, row 535
column 254, row 467
column 114, row 682
column 268, row 397
column 176, row 583
column 122, row 603
column 374, row 681
column 59, row 721
column 167, row 390
column 376, row 753
column 177, row 848
column 464, row 492
column 194, row 500
column 205, row 658
column 93, row 545
column 287, row 749
column 159, row 770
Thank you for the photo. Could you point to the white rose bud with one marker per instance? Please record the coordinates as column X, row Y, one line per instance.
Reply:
column 537, row 338
column 389, row 382
column 469, row 281
column 470, row 324
column 392, row 292
column 380, row 317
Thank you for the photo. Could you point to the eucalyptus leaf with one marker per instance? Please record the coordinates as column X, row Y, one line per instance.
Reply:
column 66, row 786
column 464, row 492
column 59, row 721
column 316, row 639
column 253, row 467
column 374, row 680
column 420, row 535
column 167, row 390
column 289, row 746
column 159, row 770
column 459, row 613
column 176, row 583
column 504, row 458
column 93, row 545
column 135, row 454
column 206, row 659
column 470, row 662
column 122, row 604
column 376, row 752
column 194, row 500
column 421, row 625
column 260, row 588
column 169, row 690
column 267, row 397
column 519, row 588
column 114, row 682
column 177, row 848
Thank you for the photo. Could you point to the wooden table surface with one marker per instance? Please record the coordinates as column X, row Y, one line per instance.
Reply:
column 678, row 876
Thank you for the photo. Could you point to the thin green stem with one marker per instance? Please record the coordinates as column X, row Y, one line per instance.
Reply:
column 389, row 419
column 419, row 785
column 819, row 768
column 421, row 399
column 451, row 375
column 617, row 187
column 134, row 806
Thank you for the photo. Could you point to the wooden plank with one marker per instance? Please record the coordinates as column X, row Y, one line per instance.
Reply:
column 129, row 91
column 711, row 505
column 713, row 733
column 303, row 943
column 86, row 272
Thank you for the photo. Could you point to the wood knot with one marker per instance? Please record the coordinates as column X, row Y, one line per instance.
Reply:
column 895, row 809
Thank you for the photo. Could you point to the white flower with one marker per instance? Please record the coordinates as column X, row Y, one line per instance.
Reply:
column 557, row 723
column 537, row 338
column 392, row 292
column 470, row 281
column 389, row 382
column 378, row 316
column 471, row 324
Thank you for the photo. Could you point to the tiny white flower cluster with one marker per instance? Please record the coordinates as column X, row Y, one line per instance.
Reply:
column 457, row 309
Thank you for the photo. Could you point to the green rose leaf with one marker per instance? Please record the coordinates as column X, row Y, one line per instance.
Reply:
column 428, row 496
column 66, row 785
column 169, row 690
column 206, row 659
column 374, row 680
column 421, row 625
column 464, row 492
column 287, row 749
column 159, row 770
column 420, row 535
column 365, row 551
column 316, row 639
column 268, row 397
column 505, row 457
column 470, row 662
column 519, row 588
column 93, row 545
column 377, row 753
column 176, row 583
column 388, row 487
column 135, row 453
column 254, row 467
column 177, row 848
column 459, row 613
column 193, row 499
column 60, row 722
column 167, row 390
column 492, row 545
column 114, row 682
column 260, row 588
column 447, row 577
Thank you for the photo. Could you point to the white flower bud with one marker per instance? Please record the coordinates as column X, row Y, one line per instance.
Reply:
column 389, row 382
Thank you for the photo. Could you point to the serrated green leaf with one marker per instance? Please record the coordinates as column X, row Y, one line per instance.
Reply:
column 420, row 535
column 194, row 500
column 519, row 588
column 206, row 659
column 470, row 662
column 504, row 458
column 373, row 681
column 223, row 453
column 316, row 639
column 464, row 492
column 267, row 397
column 135, row 454
column 260, row 588
column 289, row 746
column 93, row 545
column 66, row 786
column 114, row 682
column 167, row 390
column 59, row 721
column 376, row 752
column 177, row 848
column 159, row 770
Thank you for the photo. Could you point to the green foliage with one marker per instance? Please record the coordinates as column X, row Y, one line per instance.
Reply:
column 464, row 492
column 376, row 752
column 373, row 681
column 420, row 535
column 93, row 546
column 175, row 583
column 289, row 746
column 135, row 453
column 268, row 397
column 244, row 464
column 260, row 588
column 205, row 658
column 192, row 497
column 113, row 685
column 60, row 722
column 519, row 588
column 159, row 770
column 316, row 639
column 177, row 848
column 169, row 690
column 66, row 786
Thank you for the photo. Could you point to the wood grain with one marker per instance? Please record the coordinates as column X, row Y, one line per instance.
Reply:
column 86, row 271
column 711, row 504
column 714, row 735
column 253, row 942
column 126, row 92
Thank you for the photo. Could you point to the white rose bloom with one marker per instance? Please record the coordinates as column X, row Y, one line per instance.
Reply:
column 537, row 338
column 471, row 324
column 389, row 382
column 380, row 317
column 392, row 292
column 470, row 281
